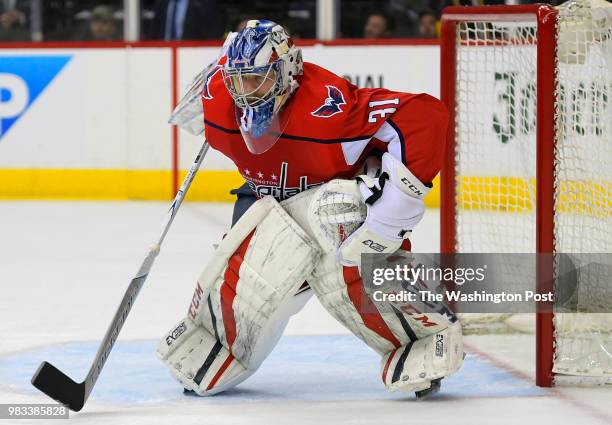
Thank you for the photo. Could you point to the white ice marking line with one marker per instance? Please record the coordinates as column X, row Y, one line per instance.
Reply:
column 594, row 413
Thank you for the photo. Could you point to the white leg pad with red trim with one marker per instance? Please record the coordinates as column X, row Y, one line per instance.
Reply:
column 199, row 361
column 435, row 343
column 243, row 300
column 413, row 366
column 335, row 210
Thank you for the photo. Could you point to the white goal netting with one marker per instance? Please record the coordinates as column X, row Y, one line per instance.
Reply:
column 495, row 173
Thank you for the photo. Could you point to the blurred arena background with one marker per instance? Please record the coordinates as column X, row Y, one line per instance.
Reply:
column 86, row 87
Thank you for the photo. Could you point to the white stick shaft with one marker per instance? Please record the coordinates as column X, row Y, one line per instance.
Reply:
column 138, row 281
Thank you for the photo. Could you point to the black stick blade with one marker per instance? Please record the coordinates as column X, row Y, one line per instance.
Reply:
column 53, row 382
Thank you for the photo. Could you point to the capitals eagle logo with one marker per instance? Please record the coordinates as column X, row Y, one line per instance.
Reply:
column 332, row 105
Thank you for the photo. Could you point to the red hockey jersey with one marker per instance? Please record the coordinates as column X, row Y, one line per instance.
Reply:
column 333, row 126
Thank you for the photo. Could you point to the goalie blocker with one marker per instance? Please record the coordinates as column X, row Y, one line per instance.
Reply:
column 250, row 288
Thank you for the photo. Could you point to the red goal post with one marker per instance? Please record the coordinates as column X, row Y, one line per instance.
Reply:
column 499, row 35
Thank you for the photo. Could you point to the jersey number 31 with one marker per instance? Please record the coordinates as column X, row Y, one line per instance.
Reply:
column 381, row 111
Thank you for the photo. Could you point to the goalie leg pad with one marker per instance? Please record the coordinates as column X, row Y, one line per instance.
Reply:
column 244, row 297
column 331, row 213
column 200, row 362
column 413, row 367
column 382, row 326
column 335, row 210
column 340, row 290
column 416, row 348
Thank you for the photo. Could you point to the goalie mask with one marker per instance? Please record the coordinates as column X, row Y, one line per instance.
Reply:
column 262, row 63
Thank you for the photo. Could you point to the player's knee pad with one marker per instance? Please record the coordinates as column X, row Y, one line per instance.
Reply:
column 242, row 301
column 413, row 366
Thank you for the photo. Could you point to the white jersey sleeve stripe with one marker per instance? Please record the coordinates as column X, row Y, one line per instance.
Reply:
column 352, row 150
column 387, row 133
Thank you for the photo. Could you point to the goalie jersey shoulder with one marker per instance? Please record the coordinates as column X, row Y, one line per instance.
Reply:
column 327, row 108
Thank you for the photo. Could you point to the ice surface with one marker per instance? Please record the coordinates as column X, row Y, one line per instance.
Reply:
column 64, row 267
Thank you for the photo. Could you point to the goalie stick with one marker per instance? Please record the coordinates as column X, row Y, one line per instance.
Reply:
column 57, row 385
